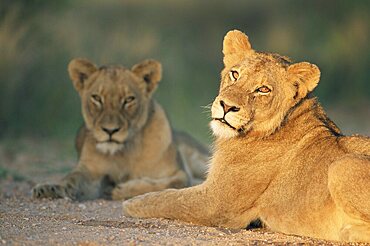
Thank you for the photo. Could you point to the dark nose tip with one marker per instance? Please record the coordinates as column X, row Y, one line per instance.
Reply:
column 228, row 108
column 111, row 131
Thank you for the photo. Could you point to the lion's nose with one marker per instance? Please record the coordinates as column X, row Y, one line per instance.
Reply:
column 110, row 131
column 228, row 108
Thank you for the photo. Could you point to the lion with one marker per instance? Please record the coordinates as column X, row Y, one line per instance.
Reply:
column 278, row 157
column 126, row 146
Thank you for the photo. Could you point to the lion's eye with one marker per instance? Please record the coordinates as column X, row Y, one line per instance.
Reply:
column 129, row 100
column 263, row 90
column 96, row 99
column 234, row 75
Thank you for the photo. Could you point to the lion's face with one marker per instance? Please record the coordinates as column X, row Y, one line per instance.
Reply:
column 115, row 101
column 257, row 89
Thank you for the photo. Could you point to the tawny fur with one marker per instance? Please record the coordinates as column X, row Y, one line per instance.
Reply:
column 126, row 146
column 277, row 156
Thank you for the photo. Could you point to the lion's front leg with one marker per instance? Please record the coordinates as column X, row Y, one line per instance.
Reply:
column 141, row 186
column 192, row 204
column 76, row 185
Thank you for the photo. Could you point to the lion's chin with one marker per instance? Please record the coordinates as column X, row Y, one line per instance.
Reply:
column 110, row 148
column 222, row 130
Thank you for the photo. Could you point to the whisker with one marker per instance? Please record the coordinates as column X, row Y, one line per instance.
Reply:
column 208, row 106
column 207, row 111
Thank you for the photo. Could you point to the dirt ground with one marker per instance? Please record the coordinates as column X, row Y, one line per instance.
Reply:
column 24, row 221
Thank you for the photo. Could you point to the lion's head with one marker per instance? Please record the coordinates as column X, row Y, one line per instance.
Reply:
column 257, row 89
column 115, row 100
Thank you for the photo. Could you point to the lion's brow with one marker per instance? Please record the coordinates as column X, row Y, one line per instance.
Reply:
column 283, row 60
column 112, row 71
column 112, row 67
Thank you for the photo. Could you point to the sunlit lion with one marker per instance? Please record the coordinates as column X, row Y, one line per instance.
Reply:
column 278, row 157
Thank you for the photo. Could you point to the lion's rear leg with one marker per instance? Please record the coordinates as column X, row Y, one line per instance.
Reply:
column 359, row 232
column 349, row 185
column 359, row 145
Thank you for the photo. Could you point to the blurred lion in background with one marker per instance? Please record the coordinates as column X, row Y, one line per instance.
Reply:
column 126, row 146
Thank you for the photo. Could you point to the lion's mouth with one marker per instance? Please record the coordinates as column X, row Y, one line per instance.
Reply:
column 112, row 141
column 222, row 120
column 241, row 130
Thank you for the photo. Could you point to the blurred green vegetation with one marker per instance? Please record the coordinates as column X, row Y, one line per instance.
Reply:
column 38, row 38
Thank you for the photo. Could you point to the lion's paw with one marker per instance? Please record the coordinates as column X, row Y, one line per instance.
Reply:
column 48, row 191
column 122, row 192
column 129, row 209
column 53, row 191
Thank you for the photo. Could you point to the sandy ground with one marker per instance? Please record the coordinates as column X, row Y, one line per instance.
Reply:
column 24, row 221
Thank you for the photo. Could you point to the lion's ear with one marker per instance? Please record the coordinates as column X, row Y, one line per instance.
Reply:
column 150, row 71
column 79, row 70
column 305, row 76
column 235, row 47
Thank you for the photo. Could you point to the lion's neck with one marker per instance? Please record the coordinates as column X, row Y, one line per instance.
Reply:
column 307, row 116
